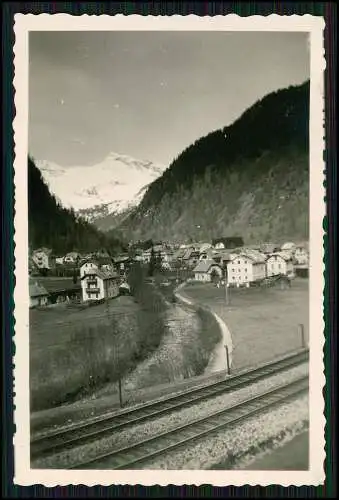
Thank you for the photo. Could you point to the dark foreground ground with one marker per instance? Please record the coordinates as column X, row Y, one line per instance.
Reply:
column 291, row 456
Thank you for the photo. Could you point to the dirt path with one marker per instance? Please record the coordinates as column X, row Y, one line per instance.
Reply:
column 218, row 357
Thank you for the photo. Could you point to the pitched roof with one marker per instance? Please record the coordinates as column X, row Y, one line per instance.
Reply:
column 187, row 253
column 283, row 254
column 287, row 246
column 103, row 274
column 224, row 255
column 204, row 265
column 251, row 254
column 47, row 251
column 268, row 247
column 208, row 251
column 36, row 290
column 179, row 253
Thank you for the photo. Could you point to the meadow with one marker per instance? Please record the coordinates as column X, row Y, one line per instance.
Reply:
column 264, row 322
column 75, row 349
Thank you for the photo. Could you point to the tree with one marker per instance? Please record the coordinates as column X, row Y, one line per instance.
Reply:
column 215, row 278
column 152, row 263
column 158, row 262
column 75, row 277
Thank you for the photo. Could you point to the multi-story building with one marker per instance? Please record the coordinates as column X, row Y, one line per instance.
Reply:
column 280, row 263
column 246, row 267
column 98, row 284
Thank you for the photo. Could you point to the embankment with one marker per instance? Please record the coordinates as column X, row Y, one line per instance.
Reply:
column 192, row 334
column 217, row 356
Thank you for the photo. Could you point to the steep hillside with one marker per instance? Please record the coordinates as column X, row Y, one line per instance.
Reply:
column 250, row 178
column 57, row 227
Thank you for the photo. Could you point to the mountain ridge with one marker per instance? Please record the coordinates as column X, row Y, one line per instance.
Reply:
column 111, row 186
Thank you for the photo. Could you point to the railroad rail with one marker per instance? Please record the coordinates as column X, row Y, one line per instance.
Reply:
column 143, row 451
column 85, row 432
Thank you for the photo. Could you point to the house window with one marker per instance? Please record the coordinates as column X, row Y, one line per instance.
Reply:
column 238, row 261
column 96, row 295
column 233, row 278
column 279, row 266
column 245, row 268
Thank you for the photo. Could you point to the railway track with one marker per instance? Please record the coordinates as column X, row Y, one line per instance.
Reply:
column 79, row 434
column 141, row 452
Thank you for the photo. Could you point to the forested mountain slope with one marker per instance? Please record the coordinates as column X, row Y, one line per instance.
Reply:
column 249, row 179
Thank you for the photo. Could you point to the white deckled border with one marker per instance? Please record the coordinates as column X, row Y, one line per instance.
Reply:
column 24, row 475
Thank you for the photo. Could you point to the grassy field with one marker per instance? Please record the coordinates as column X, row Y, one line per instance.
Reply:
column 263, row 321
column 75, row 349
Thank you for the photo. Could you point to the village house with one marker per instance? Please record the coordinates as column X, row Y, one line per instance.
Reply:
column 207, row 254
column 98, row 285
column 61, row 289
column 288, row 246
column 246, row 267
column 223, row 258
column 32, row 269
column 269, row 248
column 205, row 270
column 301, row 256
column 43, row 258
column 88, row 267
column 123, row 264
column 227, row 243
column 166, row 254
column 179, row 254
column 38, row 295
column 72, row 258
column 193, row 258
column 280, row 263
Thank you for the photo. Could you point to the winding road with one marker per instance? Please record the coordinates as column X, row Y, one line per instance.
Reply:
column 217, row 359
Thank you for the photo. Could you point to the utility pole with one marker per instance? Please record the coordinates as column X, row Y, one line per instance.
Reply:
column 227, row 361
column 226, row 287
column 119, row 375
column 302, row 333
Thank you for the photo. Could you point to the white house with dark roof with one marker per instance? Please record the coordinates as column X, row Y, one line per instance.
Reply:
column 88, row 267
column 246, row 267
column 280, row 263
column 98, row 284
column 205, row 269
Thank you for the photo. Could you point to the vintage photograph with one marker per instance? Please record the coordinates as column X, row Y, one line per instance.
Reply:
column 170, row 249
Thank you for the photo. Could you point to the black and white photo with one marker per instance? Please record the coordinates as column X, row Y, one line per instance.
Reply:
column 169, row 250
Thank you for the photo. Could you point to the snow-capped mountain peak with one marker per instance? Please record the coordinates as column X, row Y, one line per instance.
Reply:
column 112, row 186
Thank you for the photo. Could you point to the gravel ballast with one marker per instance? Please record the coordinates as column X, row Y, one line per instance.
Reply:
column 247, row 439
column 138, row 432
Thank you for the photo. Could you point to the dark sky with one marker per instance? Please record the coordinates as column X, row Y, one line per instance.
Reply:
column 149, row 94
